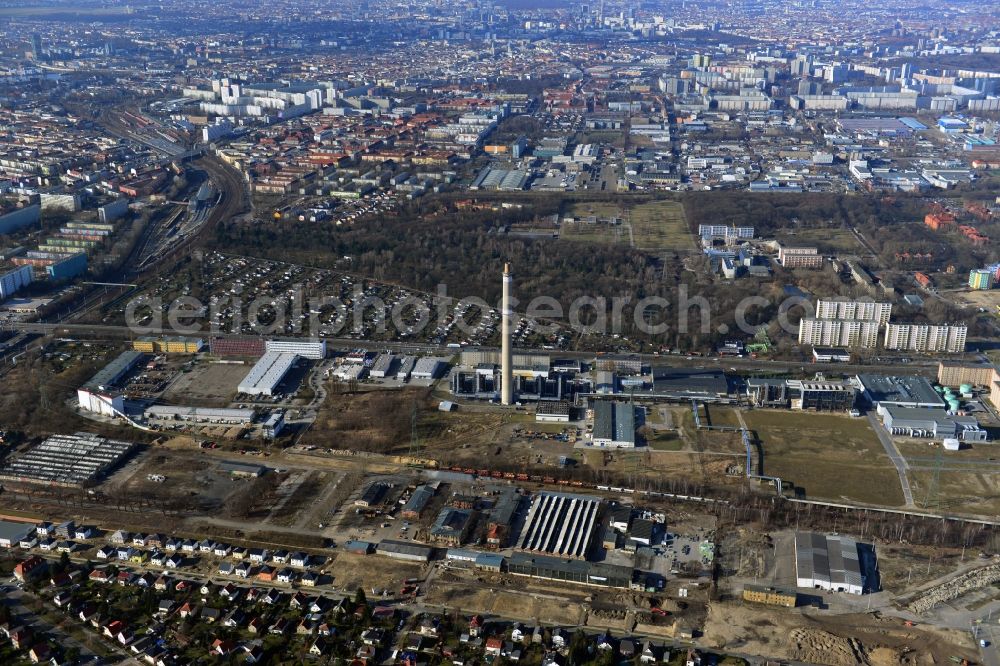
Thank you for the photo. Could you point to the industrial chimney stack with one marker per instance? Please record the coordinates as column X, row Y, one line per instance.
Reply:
column 506, row 356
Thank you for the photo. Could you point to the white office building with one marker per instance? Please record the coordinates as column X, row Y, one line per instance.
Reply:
column 311, row 349
column 838, row 333
column 948, row 338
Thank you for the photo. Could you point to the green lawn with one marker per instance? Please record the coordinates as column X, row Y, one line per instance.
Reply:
column 827, row 456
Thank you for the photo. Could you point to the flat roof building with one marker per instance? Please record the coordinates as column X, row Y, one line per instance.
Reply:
column 108, row 376
column 573, row 571
column 838, row 332
column 267, row 373
column 934, row 423
column 213, row 415
column 312, row 349
column 859, row 310
column 428, row 367
column 248, row 470
column 828, row 563
column 404, row 550
column 614, row 424
column 899, row 391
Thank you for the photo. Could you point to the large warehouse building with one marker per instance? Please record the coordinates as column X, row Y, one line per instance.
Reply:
column 828, row 563
column 213, row 415
column 100, row 393
column 574, row 571
column 267, row 373
column 68, row 460
column 614, row 424
column 560, row 524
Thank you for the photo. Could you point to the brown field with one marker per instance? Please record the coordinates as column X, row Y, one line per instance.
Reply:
column 837, row 640
column 351, row 571
column 826, row 456
column 981, row 298
column 505, row 596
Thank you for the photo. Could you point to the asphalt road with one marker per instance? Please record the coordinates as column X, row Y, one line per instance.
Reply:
column 14, row 597
column 693, row 363
column 894, row 455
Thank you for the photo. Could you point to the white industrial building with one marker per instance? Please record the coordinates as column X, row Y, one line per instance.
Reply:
column 13, row 280
column 859, row 310
column 100, row 393
column 931, row 423
column 560, row 524
column 383, row 365
column 267, row 373
column 311, row 349
column 428, row 367
column 948, row 338
column 828, row 563
column 838, row 332
column 211, row 415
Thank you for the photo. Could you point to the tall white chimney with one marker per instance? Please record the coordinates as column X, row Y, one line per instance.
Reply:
column 506, row 356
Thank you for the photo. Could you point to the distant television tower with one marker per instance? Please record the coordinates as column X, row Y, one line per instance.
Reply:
column 506, row 357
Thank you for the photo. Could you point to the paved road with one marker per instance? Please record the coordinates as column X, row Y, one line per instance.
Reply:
column 14, row 597
column 990, row 632
column 894, row 455
column 694, row 363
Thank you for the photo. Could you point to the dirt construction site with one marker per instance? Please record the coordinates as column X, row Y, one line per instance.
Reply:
column 838, row 640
